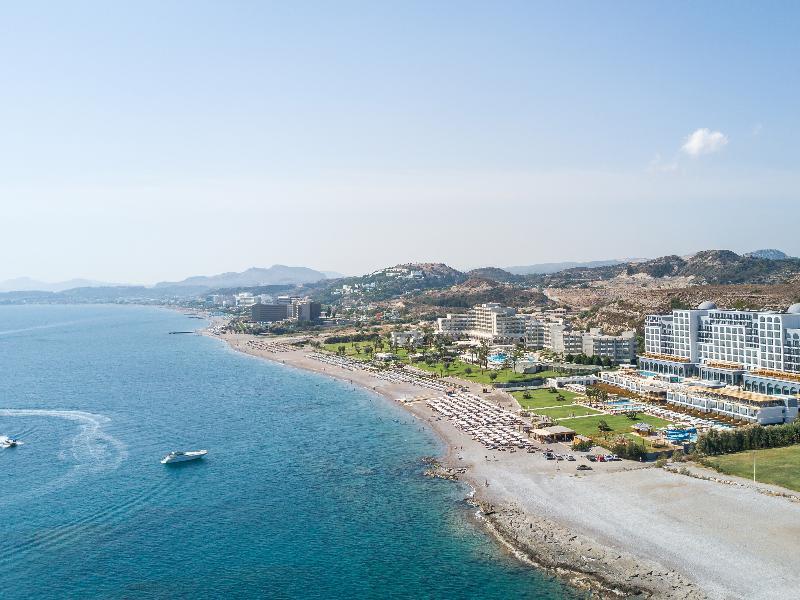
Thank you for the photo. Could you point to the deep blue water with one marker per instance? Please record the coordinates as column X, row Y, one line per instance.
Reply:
column 311, row 489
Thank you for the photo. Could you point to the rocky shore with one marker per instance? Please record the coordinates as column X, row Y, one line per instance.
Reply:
column 581, row 561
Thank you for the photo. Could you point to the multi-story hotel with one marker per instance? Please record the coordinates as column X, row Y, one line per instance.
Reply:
column 498, row 324
column 491, row 322
column 759, row 351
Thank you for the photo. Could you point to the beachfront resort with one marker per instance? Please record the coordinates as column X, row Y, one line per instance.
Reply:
column 702, row 369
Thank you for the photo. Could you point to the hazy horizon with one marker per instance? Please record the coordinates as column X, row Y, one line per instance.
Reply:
column 155, row 141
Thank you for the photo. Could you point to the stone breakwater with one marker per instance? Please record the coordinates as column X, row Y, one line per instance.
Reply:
column 583, row 562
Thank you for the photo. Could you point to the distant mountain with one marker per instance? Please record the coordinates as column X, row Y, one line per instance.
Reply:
column 333, row 275
column 26, row 284
column 545, row 268
column 768, row 253
column 274, row 275
column 705, row 267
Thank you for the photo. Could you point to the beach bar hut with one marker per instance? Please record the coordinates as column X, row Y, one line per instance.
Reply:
column 555, row 433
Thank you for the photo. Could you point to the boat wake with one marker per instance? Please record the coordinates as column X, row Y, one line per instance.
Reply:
column 91, row 450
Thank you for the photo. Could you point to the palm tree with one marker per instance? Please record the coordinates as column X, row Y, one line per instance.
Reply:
column 483, row 354
column 516, row 354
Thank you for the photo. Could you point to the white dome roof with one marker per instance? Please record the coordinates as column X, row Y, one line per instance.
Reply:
column 707, row 305
column 794, row 309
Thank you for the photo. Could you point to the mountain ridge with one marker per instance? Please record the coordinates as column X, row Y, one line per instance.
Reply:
column 252, row 277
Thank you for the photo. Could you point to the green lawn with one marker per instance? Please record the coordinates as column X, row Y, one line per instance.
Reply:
column 458, row 369
column 779, row 466
column 543, row 397
column 570, row 410
column 350, row 349
column 620, row 424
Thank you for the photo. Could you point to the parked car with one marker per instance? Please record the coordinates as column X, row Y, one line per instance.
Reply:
column 584, row 468
column 591, row 457
column 570, row 457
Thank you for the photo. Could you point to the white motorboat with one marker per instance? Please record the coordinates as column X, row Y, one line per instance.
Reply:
column 7, row 442
column 181, row 456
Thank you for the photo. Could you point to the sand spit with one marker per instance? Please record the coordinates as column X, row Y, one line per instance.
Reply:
column 622, row 529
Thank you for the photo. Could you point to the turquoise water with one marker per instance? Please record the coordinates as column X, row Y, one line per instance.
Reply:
column 311, row 489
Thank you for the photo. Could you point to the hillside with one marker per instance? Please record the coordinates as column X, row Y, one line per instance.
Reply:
column 478, row 290
column 495, row 274
column 703, row 268
column 391, row 282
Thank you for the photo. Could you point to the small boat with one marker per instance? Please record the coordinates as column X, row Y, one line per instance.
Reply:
column 9, row 442
column 181, row 456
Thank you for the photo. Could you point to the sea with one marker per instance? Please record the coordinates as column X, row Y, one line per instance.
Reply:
column 311, row 488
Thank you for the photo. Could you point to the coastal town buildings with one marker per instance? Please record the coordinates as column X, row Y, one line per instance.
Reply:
column 245, row 300
column 402, row 339
column 299, row 309
column 305, row 310
column 497, row 324
column 759, row 351
column 268, row 313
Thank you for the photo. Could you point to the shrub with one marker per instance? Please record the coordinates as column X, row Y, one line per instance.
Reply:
column 603, row 426
column 582, row 445
column 752, row 437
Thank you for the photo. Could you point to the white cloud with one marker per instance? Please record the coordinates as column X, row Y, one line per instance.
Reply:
column 704, row 141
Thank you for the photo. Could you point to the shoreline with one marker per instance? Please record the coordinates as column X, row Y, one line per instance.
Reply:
column 549, row 531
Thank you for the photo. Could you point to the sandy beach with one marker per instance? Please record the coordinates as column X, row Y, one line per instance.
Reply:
column 622, row 529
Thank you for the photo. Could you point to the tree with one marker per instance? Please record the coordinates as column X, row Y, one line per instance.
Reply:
column 341, row 350
column 468, row 370
column 632, row 415
column 526, row 394
column 493, row 375
column 569, row 358
column 517, row 353
column 603, row 426
column 483, row 354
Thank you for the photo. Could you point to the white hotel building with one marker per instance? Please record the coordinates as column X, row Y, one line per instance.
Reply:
column 498, row 324
column 758, row 350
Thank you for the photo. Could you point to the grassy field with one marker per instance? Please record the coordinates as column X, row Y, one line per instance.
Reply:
column 350, row 349
column 779, row 466
column 543, row 397
column 620, row 424
column 570, row 410
column 459, row 369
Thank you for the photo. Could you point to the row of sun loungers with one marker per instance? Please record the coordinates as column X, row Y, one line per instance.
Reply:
column 390, row 375
column 494, row 427
column 269, row 346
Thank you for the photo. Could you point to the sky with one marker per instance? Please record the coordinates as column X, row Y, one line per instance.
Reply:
column 157, row 140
